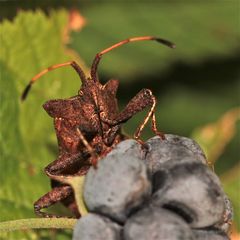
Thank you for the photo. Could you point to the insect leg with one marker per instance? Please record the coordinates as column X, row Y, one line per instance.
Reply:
column 65, row 165
column 143, row 99
column 154, row 127
column 94, row 156
column 55, row 195
column 151, row 114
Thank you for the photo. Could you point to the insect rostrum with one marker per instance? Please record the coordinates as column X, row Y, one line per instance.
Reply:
column 88, row 126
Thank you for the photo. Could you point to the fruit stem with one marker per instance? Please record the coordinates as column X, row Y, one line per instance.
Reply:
column 34, row 223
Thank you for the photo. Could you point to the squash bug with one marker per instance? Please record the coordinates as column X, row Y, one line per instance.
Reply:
column 88, row 125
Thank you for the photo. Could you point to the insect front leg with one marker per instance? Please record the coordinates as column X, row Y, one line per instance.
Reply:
column 69, row 160
column 60, row 167
column 57, row 194
column 72, row 164
column 143, row 99
column 65, row 165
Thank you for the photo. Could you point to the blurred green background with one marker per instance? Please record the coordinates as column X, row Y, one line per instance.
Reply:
column 197, row 84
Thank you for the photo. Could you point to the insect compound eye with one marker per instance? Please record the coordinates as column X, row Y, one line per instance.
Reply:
column 80, row 92
column 147, row 92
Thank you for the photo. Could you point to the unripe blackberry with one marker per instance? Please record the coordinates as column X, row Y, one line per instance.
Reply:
column 118, row 185
column 190, row 189
column 210, row 234
column 173, row 148
column 93, row 226
column 156, row 224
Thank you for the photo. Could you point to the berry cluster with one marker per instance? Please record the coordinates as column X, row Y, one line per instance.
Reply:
column 161, row 190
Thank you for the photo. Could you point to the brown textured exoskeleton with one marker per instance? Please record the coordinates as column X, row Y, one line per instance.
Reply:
column 88, row 126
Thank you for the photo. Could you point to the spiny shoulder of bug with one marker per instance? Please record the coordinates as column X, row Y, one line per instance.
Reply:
column 92, row 99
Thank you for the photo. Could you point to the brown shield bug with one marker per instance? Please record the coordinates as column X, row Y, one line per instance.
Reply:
column 88, row 125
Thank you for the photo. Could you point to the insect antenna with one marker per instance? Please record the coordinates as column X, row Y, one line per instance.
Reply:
column 76, row 67
column 134, row 39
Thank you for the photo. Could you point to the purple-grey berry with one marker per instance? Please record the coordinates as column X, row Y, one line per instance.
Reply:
column 156, row 224
column 210, row 234
column 118, row 185
column 128, row 147
column 96, row 227
column 190, row 189
column 173, row 148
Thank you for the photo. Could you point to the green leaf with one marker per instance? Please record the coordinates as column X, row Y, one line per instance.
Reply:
column 32, row 42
